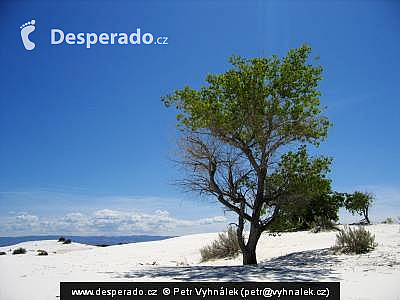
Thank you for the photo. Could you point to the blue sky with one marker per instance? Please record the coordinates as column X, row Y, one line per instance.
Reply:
column 86, row 144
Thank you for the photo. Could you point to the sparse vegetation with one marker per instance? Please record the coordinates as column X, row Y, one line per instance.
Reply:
column 61, row 239
column 182, row 263
column 323, row 223
column 358, row 240
column 19, row 251
column 388, row 220
column 42, row 253
column 2, row 253
column 227, row 245
column 68, row 241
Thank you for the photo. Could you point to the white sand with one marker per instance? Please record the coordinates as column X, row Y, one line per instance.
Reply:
column 300, row 256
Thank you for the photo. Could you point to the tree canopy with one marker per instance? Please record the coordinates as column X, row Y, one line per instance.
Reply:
column 359, row 203
column 309, row 200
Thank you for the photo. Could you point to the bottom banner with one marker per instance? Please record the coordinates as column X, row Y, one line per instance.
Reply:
column 199, row 290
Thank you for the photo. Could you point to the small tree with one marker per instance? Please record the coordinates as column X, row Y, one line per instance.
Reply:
column 304, row 181
column 319, row 212
column 359, row 203
column 236, row 128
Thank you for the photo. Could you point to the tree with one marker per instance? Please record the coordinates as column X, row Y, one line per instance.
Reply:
column 304, row 179
column 319, row 212
column 359, row 203
column 235, row 128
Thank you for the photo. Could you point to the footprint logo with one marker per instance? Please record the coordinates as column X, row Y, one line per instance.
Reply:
column 26, row 29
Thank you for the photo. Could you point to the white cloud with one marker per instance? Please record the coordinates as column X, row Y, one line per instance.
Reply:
column 61, row 212
column 24, row 223
column 162, row 212
column 217, row 219
column 27, row 218
column 106, row 221
column 74, row 217
column 107, row 214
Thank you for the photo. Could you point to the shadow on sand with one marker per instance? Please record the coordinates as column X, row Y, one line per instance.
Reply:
column 311, row 265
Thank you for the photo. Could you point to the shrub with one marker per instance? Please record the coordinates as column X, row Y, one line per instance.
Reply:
column 42, row 253
column 68, row 241
column 19, row 251
column 226, row 245
column 61, row 239
column 2, row 253
column 388, row 220
column 357, row 240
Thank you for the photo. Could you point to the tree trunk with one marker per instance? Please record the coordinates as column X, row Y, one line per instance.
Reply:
column 249, row 257
column 366, row 216
column 249, row 254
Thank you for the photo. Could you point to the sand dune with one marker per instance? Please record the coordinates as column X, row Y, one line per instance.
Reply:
column 299, row 256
